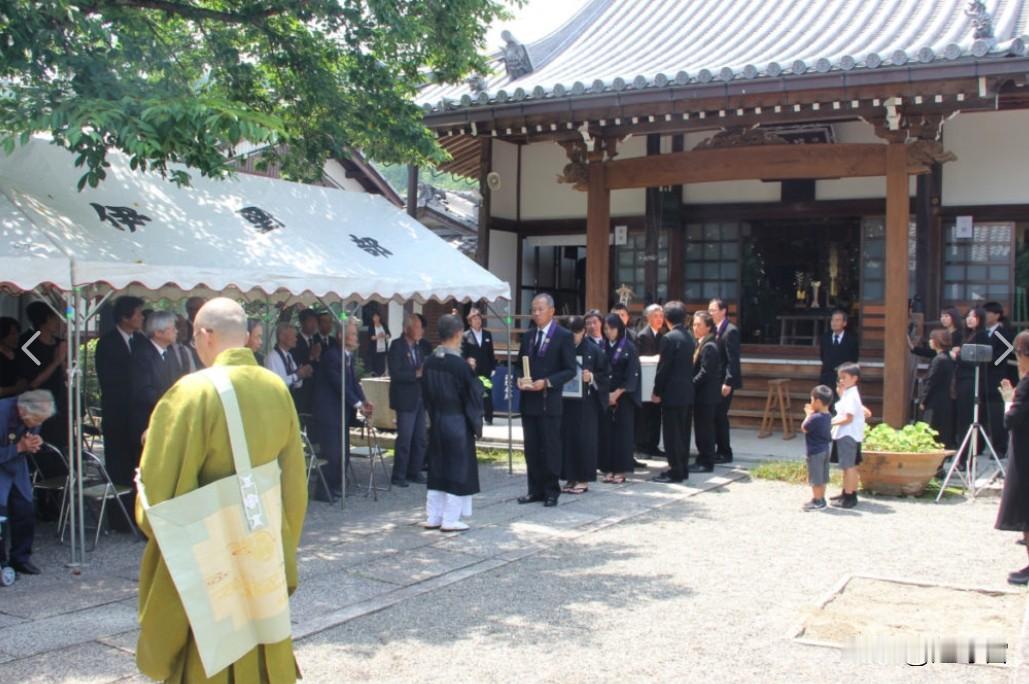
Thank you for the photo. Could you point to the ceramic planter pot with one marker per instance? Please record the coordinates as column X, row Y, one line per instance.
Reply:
column 899, row 474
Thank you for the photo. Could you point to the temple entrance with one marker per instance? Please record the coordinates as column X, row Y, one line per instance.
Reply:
column 793, row 273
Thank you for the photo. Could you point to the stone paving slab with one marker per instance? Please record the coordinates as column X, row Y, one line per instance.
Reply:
column 60, row 631
column 83, row 663
column 326, row 593
column 414, row 566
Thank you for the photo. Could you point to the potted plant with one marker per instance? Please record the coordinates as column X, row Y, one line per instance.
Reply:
column 900, row 462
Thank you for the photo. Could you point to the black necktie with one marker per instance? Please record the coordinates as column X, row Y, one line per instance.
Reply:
column 836, row 340
column 539, row 341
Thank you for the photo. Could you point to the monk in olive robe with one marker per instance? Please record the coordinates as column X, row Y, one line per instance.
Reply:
column 187, row 447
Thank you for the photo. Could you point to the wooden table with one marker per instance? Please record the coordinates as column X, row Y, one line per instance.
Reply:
column 788, row 327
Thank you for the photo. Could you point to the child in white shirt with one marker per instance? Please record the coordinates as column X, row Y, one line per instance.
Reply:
column 848, row 429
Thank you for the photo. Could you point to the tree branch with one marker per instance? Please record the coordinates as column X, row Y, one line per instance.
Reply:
column 191, row 11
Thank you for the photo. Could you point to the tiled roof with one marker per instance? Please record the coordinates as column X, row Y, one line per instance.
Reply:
column 612, row 46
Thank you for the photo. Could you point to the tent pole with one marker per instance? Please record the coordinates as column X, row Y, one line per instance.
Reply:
column 508, row 391
column 76, row 437
column 343, row 418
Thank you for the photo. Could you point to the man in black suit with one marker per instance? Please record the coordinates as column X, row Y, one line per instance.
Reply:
column 155, row 368
column 114, row 370
column 648, row 420
column 326, row 327
column 836, row 347
column 406, row 356
column 307, row 352
column 673, row 392
column 477, row 350
column 728, row 337
column 551, row 353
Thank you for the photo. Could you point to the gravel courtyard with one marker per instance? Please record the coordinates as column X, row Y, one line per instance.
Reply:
column 640, row 582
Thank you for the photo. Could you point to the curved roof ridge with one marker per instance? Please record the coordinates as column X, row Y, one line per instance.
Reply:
column 542, row 51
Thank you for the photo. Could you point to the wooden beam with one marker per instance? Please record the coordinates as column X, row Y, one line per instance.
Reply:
column 896, row 385
column 598, row 230
column 767, row 162
column 485, row 166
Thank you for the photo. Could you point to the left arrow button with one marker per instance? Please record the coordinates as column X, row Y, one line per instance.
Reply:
column 25, row 348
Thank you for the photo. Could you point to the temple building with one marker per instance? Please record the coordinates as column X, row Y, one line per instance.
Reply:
column 789, row 157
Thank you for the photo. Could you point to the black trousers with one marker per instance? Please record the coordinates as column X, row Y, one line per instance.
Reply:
column 722, row 445
column 487, row 406
column 121, row 456
column 676, row 422
column 648, row 428
column 995, row 427
column 543, row 454
column 21, row 523
column 704, row 432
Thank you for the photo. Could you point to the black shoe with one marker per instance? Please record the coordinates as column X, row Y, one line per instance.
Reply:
column 814, row 505
column 702, row 468
column 665, row 478
column 550, row 502
column 723, row 458
column 849, row 501
column 530, row 498
column 1017, row 577
column 26, row 568
column 418, row 479
column 398, row 483
column 838, row 498
column 638, row 465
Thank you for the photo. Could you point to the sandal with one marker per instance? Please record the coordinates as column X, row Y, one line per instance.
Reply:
column 579, row 489
column 609, row 478
column 620, row 479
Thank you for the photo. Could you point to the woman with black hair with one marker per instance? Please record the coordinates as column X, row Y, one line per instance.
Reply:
column 934, row 400
column 378, row 345
column 624, row 397
column 10, row 381
column 581, row 415
column 950, row 320
column 707, row 390
column 964, row 377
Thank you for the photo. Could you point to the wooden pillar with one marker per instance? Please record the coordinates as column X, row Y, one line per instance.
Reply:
column 485, row 166
column 652, row 228
column 412, row 191
column 895, row 375
column 677, row 238
column 927, row 218
column 598, row 232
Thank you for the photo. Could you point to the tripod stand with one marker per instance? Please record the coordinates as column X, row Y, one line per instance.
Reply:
column 969, row 448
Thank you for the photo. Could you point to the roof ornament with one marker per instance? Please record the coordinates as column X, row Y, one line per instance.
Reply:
column 515, row 56
column 477, row 83
column 982, row 22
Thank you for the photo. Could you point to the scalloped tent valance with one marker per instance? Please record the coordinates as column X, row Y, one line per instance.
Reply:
column 251, row 236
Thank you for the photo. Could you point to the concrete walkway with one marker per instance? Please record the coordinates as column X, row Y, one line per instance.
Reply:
column 370, row 568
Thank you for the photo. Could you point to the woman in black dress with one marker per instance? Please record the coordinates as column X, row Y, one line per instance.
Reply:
column 10, row 381
column 707, row 389
column 1014, row 503
column 964, row 377
column 950, row 321
column 618, row 436
column 581, row 416
column 935, row 401
column 377, row 346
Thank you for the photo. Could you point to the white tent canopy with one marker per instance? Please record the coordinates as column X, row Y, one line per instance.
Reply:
column 252, row 236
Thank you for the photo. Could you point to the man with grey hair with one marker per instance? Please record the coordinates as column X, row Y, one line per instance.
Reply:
column 154, row 369
column 549, row 351
column 281, row 362
column 21, row 418
column 648, row 419
column 406, row 356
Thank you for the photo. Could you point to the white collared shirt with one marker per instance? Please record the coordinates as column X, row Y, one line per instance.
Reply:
column 850, row 403
column 287, row 371
column 992, row 329
column 478, row 336
column 159, row 348
column 125, row 336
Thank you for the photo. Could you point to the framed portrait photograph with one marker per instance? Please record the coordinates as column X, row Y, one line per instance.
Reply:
column 573, row 388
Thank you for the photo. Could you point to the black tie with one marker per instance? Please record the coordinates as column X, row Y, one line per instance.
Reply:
column 836, row 340
column 539, row 341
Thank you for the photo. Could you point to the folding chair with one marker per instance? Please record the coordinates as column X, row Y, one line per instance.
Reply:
column 374, row 452
column 55, row 483
column 101, row 490
column 314, row 463
column 91, row 427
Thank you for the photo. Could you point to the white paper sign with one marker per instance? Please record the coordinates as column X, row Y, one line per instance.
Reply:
column 621, row 235
column 963, row 228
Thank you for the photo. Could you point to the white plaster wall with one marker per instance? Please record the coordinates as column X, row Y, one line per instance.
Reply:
column 855, row 188
column 503, row 256
column 503, row 202
column 334, row 170
column 543, row 197
column 993, row 159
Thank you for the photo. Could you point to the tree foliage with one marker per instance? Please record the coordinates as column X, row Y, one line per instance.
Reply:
column 186, row 81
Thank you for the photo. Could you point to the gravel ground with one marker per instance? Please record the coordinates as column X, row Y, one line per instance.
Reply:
column 704, row 589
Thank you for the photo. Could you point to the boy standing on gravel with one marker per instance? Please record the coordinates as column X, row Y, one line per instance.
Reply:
column 848, row 431
column 817, row 429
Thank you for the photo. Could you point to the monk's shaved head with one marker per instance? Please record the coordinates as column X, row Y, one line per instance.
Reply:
column 220, row 324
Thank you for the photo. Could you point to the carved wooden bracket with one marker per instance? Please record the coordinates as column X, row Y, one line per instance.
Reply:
column 929, row 152
column 580, row 156
column 741, row 137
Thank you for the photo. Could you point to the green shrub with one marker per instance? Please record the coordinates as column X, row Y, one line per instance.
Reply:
column 918, row 438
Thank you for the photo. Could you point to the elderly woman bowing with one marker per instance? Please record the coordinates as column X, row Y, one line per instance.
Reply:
column 453, row 399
